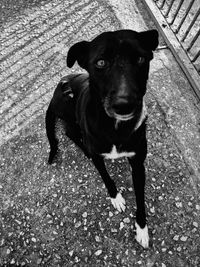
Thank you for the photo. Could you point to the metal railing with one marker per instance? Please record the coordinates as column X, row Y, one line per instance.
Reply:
column 178, row 21
column 183, row 16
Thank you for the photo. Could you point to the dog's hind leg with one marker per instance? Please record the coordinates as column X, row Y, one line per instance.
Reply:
column 74, row 133
column 50, row 121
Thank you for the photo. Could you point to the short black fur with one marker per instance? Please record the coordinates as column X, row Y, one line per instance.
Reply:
column 104, row 108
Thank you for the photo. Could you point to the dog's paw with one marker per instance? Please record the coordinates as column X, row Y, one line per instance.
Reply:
column 119, row 202
column 142, row 236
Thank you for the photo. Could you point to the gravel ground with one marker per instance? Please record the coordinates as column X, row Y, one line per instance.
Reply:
column 61, row 215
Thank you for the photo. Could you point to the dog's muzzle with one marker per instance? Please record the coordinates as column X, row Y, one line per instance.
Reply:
column 121, row 108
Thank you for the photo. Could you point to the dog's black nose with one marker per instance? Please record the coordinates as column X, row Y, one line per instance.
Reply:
column 122, row 106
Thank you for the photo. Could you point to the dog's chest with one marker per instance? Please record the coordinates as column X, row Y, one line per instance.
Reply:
column 114, row 154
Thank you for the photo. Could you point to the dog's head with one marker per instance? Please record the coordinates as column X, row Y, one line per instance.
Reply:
column 118, row 67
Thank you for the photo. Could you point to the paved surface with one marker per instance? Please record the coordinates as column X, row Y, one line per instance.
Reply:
column 60, row 215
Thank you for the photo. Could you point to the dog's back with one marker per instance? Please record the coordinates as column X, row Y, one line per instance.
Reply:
column 67, row 92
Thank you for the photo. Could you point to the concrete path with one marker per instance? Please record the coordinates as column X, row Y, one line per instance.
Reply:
column 60, row 215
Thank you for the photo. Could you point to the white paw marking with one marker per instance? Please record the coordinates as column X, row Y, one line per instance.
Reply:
column 119, row 202
column 142, row 236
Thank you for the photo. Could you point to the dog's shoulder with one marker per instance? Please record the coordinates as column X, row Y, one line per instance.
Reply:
column 75, row 84
column 79, row 83
column 71, row 86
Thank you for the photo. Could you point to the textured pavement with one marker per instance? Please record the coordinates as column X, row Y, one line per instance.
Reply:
column 61, row 215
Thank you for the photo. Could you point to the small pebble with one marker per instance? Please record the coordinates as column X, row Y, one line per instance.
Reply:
column 27, row 210
column 97, row 238
column 18, row 222
column 152, row 210
column 71, row 253
column 98, row 252
column 198, row 207
column 110, row 214
column 126, row 220
column 2, row 241
column 195, row 224
column 121, row 226
column 183, row 238
column 84, row 215
column 12, row 261
column 176, row 237
column 57, row 256
column 55, row 233
column 179, row 204
column 39, row 261
column 78, row 224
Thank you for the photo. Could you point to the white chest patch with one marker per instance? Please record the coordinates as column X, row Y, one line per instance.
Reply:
column 115, row 155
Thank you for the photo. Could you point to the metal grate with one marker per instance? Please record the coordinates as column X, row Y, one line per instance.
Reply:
column 183, row 16
column 179, row 24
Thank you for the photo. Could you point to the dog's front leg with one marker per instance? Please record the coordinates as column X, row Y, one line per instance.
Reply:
column 138, row 176
column 116, row 198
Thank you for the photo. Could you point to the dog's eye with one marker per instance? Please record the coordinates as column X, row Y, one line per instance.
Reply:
column 101, row 63
column 141, row 60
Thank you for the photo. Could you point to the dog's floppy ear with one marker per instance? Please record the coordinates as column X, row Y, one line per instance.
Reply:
column 78, row 52
column 149, row 39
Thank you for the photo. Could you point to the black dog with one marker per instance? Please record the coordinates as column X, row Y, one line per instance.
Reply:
column 104, row 110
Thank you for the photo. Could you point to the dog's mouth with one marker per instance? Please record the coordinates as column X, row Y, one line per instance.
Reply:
column 123, row 112
column 122, row 117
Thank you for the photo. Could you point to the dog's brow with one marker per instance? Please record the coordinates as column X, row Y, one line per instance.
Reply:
column 127, row 47
column 103, row 51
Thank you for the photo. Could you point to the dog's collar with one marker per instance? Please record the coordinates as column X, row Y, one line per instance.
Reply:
column 143, row 116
